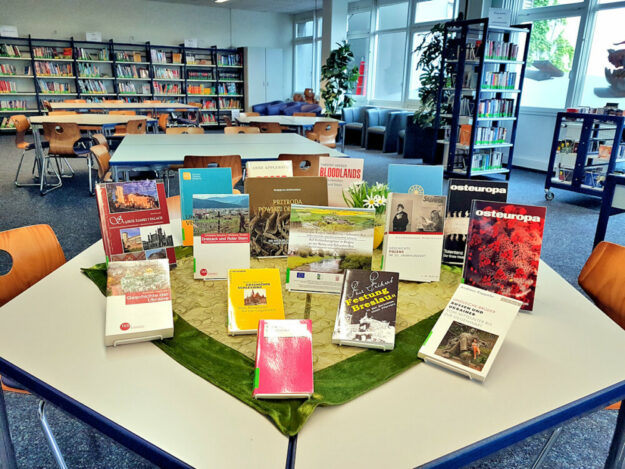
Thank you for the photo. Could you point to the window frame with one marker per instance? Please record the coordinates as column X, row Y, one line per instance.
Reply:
column 315, row 41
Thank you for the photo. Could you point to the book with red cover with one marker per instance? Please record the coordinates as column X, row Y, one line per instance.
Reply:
column 503, row 249
column 134, row 221
column 284, row 361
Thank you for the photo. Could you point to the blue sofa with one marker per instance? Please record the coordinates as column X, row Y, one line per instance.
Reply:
column 354, row 118
column 376, row 123
column 262, row 108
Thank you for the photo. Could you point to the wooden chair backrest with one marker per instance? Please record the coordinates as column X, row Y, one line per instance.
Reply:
column 326, row 132
column 173, row 206
column 304, row 165
column 114, row 101
column 136, row 126
column 603, row 277
column 227, row 120
column 304, row 114
column 123, row 113
column 152, row 101
column 46, row 104
column 62, row 137
column 22, row 124
column 227, row 161
column 100, row 140
column 268, row 127
column 250, row 114
column 74, row 100
column 163, row 119
column 241, row 130
column 102, row 158
column 35, row 253
column 62, row 113
column 184, row 130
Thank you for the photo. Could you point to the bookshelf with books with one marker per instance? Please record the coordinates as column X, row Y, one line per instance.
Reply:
column 167, row 67
column 230, row 73
column 201, row 82
column 131, row 69
column 54, row 69
column 94, row 67
column 479, row 96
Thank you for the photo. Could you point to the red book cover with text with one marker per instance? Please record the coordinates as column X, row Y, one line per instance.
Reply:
column 503, row 249
column 135, row 221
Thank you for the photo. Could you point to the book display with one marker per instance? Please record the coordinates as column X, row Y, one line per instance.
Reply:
column 138, row 302
column 269, row 169
column 415, row 179
column 135, row 221
column 413, row 236
column 462, row 193
column 470, row 332
column 324, row 242
column 221, row 240
column 341, row 173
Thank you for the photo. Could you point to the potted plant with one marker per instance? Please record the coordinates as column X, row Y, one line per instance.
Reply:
column 361, row 194
column 338, row 80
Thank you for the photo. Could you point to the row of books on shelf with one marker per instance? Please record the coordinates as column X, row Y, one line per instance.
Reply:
column 92, row 86
column 51, row 69
column 483, row 134
column 53, row 87
column 484, row 161
column 499, row 80
column 52, row 52
column 6, row 69
column 496, row 107
column 167, row 88
column 230, row 103
column 208, row 104
column 200, row 89
column 90, row 70
column 9, row 50
column 6, row 123
column 160, row 57
column 195, row 75
column 90, row 54
column 132, row 71
column 228, row 88
column 13, row 105
column 501, row 50
column 229, row 75
column 122, row 56
column 130, row 88
column 230, row 59
column 8, row 86
column 193, row 60
column 167, row 73
column 472, row 226
column 208, row 118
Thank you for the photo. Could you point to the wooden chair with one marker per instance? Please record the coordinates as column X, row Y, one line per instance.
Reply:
column 241, row 130
column 324, row 133
column 250, row 114
column 62, row 113
column 102, row 158
column 304, row 114
column 173, row 206
column 184, row 130
column 100, row 139
column 227, row 161
column 113, row 101
column 163, row 120
column 227, row 120
column 268, row 127
column 74, row 100
column 133, row 127
column 47, row 106
column 22, row 125
column 309, row 96
column 304, row 165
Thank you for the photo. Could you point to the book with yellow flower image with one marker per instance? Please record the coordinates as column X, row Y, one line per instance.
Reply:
column 361, row 194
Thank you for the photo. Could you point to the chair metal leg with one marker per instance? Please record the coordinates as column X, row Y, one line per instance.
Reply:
column 17, row 173
column 56, row 452
column 42, row 179
column 543, row 453
column 7, row 453
column 59, row 166
column 616, row 456
column 89, row 165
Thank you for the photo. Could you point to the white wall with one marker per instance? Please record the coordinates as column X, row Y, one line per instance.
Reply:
column 160, row 22
column 534, row 136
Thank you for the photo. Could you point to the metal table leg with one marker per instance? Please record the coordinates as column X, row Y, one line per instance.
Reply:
column 616, row 456
column 7, row 453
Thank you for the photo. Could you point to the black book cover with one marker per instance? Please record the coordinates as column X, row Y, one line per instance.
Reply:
column 462, row 193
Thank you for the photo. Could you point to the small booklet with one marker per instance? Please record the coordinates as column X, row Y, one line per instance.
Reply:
column 253, row 294
column 413, row 237
column 221, row 240
column 324, row 242
column 462, row 193
column 199, row 181
column 367, row 310
column 470, row 331
column 284, row 360
column 138, row 302
column 341, row 173
column 134, row 220
column 415, row 179
column 269, row 169
column 503, row 249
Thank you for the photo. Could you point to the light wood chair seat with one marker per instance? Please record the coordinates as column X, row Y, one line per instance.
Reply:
column 324, row 133
column 304, row 165
column 304, row 114
column 268, row 127
column 102, row 158
column 227, row 161
column 183, row 130
column 241, row 130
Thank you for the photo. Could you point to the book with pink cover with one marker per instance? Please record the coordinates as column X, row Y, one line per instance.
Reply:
column 284, row 368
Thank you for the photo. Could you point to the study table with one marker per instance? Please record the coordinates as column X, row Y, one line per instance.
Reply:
column 108, row 106
column 157, row 152
column 559, row 361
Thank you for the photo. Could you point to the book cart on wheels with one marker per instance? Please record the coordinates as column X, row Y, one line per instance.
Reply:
column 585, row 149
column 479, row 96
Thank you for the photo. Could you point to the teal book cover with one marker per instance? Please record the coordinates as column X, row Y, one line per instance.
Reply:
column 199, row 181
column 415, row 179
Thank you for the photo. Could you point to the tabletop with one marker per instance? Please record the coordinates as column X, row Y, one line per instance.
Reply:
column 105, row 106
column 88, row 119
column 293, row 121
column 552, row 360
column 164, row 149
column 137, row 387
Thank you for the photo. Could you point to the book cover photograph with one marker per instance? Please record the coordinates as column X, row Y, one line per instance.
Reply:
column 503, row 249
column 138, row 302
column 269, row 169
column 253, row 294
column 221, row 240
column 270, row 209
column 326, row 241
column 470, row 331
column 199, row 181
column 462, row 193
column 341, row 173
column 135, row 221
column 413, row 238
column 415, row 179
column 367, row 310
column 284, row 360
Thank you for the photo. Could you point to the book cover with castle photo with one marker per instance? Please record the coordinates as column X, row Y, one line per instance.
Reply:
column 135, row 221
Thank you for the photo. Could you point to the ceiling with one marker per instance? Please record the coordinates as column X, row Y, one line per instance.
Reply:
column 276, row 6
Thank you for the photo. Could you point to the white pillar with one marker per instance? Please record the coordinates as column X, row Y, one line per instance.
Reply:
column 334, row 27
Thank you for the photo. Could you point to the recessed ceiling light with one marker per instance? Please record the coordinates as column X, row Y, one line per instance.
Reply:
column 221, row 1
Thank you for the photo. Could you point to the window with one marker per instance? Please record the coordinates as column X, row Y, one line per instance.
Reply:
column 527, row 4
column 360, row 48
column 303, row 66
column 389, row 66
column 415, row 81
column 392, row 16
column 359, row 22
column 432, row 10
column 307, row 60
column 304, row 29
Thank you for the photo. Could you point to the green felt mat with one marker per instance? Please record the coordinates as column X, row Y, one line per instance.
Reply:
column 233, row 372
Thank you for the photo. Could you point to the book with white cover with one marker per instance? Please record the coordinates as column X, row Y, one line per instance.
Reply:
column 470, row 331
column 138, row 302
column 269, row 169
column 413, row 236
column 341, row 173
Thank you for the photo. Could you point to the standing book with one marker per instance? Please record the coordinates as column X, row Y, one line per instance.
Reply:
column 199, row 181
column 135, row 221
column 324, row 242
column 413, row 237
column 470, row 331
column 269, row 169
column 462, row 193
column 415, row 179
column 221, row 240
column 138, row 302
column 367, row 310
column 341, row 173
column 253, row 294
column 503, row 249
column 270, row 209
column 284, row 360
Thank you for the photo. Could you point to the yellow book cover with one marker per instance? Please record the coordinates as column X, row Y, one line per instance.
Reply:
column 253, row 294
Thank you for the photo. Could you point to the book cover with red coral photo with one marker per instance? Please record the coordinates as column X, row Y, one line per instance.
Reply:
column 503, row 249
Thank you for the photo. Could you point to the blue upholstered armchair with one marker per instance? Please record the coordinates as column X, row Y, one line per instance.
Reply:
column 396, row 123
column 262, row 107
column 354, row 118
column 376, row 121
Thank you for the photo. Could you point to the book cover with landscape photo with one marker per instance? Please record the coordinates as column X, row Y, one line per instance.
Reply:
column 135, row 221
column 503, row 249
column 326, row 241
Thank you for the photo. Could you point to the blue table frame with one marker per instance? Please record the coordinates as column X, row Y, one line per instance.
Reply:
column 614, row 184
